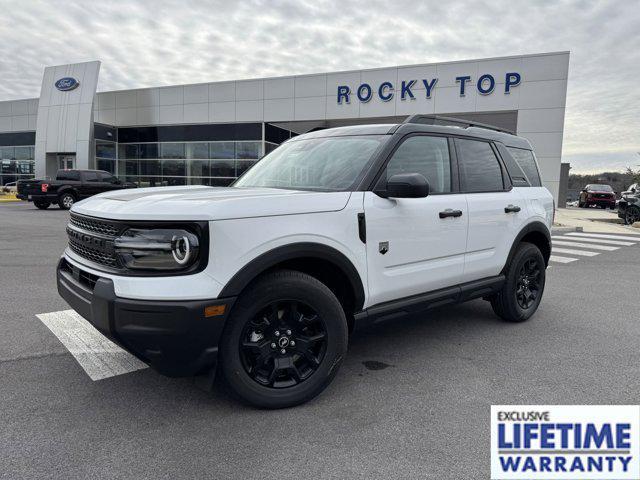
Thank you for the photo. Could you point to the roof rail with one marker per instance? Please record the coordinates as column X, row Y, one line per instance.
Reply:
column 435, row 119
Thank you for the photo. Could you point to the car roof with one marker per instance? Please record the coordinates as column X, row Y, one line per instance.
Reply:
column 507, row 139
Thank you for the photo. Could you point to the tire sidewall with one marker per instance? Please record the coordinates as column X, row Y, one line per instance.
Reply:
column 61, row 201
column 280, row 287
column 524, row 253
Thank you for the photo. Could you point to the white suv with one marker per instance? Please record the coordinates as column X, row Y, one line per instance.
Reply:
column 334, row 229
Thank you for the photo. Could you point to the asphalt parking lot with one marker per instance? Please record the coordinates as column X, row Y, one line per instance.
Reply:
column 412, row 399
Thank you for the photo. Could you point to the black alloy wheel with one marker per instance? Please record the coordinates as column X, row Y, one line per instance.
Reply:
column 632, row 215
column 284, row 340
column 284, row 344
column 528, row 283
column 522, row 291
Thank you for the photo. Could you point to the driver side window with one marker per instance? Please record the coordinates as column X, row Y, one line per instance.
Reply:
column 426, row 155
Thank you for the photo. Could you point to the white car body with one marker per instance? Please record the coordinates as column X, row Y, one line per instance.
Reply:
column 425, row 253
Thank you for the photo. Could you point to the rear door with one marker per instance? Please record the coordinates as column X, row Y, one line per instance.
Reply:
column 497, row 211
column 91, row 184
column 410, row 248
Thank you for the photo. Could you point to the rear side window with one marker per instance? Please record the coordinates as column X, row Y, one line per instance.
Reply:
column 68, row 175
column 527, row 163
column 428, row 156
column 479, row 167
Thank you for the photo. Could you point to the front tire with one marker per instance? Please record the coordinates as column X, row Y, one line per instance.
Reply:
column 66, row 201
column 284, row 341
column 524, row 285
column 632, row 215
column 42, row 205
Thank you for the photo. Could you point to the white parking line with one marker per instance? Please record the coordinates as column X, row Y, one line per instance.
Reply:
column 593, row 240
column 583, row 253
column 600, row 235
column 556, row 258
column 96, row 354
column 583, row 245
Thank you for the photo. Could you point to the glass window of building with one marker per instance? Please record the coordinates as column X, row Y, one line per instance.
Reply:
column 248, row 150
column 198, row 151
column 172, row 150
column 222, row 150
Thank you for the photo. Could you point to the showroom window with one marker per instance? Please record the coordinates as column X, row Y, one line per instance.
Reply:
column 16, row 162
column 188, row 154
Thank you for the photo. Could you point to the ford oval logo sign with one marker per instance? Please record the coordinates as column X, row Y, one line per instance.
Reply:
column 67, row 83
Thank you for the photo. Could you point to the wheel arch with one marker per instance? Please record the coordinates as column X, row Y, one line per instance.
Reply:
column 325, row 263
column 68, row 189
column 536, row 233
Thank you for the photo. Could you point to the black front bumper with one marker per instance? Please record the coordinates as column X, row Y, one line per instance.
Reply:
column 174, row 337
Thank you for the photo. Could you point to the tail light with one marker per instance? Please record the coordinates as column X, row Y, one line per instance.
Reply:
column 44, row 187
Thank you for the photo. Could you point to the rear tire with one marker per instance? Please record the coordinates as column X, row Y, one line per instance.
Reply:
column 42, row 205
column 66, row 201
column 524, row 285
column 302, row 318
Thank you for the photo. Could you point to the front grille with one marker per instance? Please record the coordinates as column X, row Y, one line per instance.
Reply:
column 93, row 254
column 95, row 225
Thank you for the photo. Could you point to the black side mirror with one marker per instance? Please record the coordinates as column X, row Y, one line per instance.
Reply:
column 406, row 185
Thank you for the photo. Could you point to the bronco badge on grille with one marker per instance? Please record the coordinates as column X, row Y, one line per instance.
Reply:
column 88, row 240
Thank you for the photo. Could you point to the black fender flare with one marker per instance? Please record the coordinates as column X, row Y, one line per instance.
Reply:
column 271, row 258
column 533, row 227
column 68, row 189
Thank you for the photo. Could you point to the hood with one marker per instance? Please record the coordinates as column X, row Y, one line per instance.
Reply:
column 207, row 203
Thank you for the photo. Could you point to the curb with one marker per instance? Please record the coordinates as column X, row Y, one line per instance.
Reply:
column 556, row 230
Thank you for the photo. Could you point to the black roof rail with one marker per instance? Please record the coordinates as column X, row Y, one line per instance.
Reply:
column 434, row 119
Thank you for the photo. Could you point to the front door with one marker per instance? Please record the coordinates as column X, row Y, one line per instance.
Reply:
column 410, row 248
column 66, row 162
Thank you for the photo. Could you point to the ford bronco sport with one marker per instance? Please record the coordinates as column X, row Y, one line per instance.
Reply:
column 334, row 229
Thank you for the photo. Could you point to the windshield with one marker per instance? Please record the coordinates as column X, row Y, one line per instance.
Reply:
column 325, row 164
column 600, row 188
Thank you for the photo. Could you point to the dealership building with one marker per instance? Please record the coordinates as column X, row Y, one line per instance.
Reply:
column 209, row 133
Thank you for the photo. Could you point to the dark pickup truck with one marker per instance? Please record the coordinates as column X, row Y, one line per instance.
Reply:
column 68, row 187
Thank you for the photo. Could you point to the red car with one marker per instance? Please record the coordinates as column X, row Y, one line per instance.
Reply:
column 601, row 195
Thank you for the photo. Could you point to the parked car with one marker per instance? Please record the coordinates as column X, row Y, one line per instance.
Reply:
column 629, row 205
column 10, row 187
column 68, row 187
column 602, row 196
column 333, row 230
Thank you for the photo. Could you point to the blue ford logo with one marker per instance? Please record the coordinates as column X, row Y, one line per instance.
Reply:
column 67, row 83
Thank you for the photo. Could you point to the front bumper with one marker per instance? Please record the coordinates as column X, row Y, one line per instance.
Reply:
column 174, row 337
column 601, row 202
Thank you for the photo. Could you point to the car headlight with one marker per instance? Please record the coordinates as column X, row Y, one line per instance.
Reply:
column 157, row 249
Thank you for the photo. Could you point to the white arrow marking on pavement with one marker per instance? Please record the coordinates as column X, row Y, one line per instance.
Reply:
column 594, row 240
column 570, row 251
column 96, row 354
column 599, row 235
column 583, row 245
column 556, row 258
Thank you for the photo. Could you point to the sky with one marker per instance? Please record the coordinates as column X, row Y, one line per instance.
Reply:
column 145, row 43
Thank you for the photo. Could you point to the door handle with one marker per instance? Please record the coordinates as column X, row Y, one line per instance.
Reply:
column 511, row 209
column 450, row 213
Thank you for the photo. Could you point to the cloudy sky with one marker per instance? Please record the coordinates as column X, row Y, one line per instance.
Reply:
column 158, row 42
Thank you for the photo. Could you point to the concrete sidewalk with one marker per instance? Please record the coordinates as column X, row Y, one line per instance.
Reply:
column 592, row 220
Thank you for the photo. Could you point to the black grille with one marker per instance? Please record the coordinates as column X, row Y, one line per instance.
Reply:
column 94, row 225
column 93, row 254
column 85, row 278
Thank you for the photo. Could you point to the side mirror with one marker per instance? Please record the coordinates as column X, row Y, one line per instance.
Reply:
column 406, row 185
